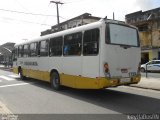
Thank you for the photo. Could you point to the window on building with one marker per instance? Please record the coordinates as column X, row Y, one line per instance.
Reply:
column 72, row 44
column 26, row 50
column 158, row 24
column 55, row 47
column 91, row 42
column 143, row 28
column 44, row 48
column 33, row 49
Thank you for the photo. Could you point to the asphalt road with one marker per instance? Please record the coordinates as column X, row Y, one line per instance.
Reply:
column 37, row 97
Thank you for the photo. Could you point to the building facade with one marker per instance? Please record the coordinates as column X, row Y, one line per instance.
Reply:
column 148, row 23
column 6, row 53
column 83, row 19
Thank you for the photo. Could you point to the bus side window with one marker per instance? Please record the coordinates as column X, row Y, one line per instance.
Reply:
column 91, row 42
column 33, row 49
column 66, row 49
column 20, row 51
column 72, row 44
column 44, row 48
column 14, row 54
column 56, row 46
column 25, row 53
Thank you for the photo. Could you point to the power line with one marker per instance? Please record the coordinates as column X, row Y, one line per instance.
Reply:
column 72, row 2
column 20, row 12
column 21, row 5
column 12, row 19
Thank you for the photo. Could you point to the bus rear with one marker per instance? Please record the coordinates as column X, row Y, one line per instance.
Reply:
column 120, row 54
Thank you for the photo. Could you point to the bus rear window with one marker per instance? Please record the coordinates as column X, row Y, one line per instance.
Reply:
column 121, row 35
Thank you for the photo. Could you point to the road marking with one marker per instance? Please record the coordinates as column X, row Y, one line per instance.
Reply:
column 14, row 76
column 6, row 78
column 20, row 84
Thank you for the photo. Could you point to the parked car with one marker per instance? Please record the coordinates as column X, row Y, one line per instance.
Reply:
column 153, row 66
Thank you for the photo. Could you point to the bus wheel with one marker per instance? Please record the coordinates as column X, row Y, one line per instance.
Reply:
column 55, row 80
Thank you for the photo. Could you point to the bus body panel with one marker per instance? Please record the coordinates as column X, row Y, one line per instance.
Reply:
column 72, row 65
column 120, row 61
column 90, row 66
column 55, row 63
column 71, row 68
column 85, row 72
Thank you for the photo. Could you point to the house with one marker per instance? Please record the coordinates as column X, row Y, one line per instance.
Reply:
column 71, row 23
column 148, row 23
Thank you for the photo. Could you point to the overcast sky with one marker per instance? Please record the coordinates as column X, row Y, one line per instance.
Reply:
column 17, row 27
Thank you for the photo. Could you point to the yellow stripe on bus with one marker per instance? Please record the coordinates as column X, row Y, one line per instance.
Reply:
column 78, row 82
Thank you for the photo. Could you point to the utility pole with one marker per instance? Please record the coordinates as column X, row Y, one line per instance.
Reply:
column 113, row 16
column 58, row 2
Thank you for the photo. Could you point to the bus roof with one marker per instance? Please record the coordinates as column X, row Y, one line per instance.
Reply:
column 73, row 30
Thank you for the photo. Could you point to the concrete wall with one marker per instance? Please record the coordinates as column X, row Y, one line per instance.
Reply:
column 150, row 38
column 156, row 38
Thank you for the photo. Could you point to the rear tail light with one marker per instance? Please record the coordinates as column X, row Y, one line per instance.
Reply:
column 106, row 68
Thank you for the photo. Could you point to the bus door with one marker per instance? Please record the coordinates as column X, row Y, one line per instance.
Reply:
column 72, row 59
column 90, row 63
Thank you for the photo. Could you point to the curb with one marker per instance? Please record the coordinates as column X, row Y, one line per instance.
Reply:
column 144, row 87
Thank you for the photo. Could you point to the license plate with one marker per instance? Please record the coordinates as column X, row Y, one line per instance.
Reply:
column 131, row 74
column 125, row 80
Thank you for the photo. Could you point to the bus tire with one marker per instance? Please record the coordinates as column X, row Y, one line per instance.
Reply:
column 55, row 80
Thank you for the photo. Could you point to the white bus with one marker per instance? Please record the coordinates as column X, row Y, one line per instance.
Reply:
column 93, row 56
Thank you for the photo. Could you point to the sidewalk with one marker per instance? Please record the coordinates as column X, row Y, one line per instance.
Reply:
column 148, row 83
column 4, row 109
column 2, row 67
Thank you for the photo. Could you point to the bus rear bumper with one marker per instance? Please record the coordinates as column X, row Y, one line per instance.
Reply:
column 122, row 81
column 80, row 82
